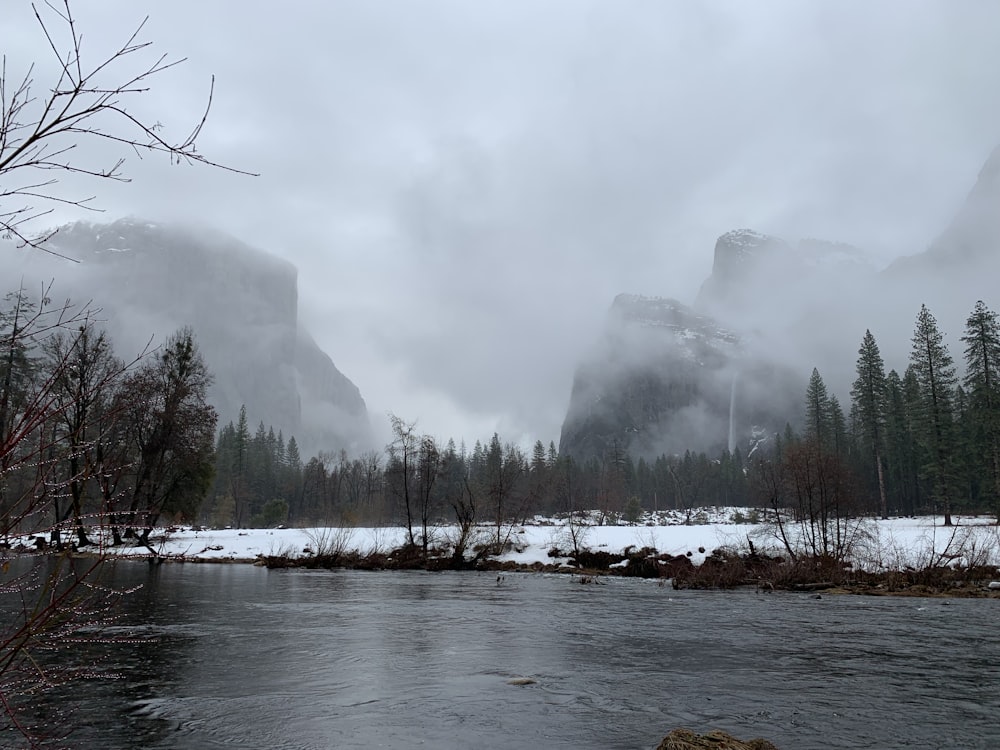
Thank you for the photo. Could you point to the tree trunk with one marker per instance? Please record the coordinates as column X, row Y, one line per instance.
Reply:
column 881, row 486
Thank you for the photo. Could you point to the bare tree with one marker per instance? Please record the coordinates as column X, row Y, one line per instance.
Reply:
column 768, row 485
column 41, row 135
column 400, row 467
column 174, row 434
column 504, row 478
column 31, row 402
column 59, row 600
column 427, row 471
column 84, row 386
column 45, row 132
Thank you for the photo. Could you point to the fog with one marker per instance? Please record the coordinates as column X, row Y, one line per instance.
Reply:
column 465, row 186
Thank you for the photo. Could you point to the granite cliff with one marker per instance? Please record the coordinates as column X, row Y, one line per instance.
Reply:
column 660, row 379
column 757, row 278
column 149, row 279
column 664, row 378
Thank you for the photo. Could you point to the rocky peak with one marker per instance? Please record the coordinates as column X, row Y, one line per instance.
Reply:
column 740, row 248
column 666, row 378
column 757, row 278
column 963, row 257
column 149, row 279
column 663, row 378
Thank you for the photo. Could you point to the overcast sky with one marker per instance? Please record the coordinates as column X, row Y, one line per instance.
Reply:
column 465, row 185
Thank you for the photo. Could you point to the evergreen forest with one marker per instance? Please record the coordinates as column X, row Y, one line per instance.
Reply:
column 90, row 439
column 924, row 441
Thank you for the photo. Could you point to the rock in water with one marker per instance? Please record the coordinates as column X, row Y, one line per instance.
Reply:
column 685, row 739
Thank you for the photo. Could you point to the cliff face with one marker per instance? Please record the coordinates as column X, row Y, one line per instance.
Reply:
column 970, row 242
column 150, row 279
column 757, row 279
column 661, row 378
column 664, row 379
column 332, row 405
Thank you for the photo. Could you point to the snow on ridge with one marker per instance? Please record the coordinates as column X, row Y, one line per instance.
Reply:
column 745, row 238
column 668, row 314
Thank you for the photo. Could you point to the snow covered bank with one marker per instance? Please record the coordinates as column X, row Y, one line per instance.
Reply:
column 881, row 545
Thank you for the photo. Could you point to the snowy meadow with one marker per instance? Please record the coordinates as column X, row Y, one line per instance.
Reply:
column 875, row 546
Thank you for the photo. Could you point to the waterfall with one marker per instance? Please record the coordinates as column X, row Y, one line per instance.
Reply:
column 732, row 415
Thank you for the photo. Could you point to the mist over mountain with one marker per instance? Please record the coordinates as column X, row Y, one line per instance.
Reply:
column 967, row 245
column 748, row 267
column 660, row 379
column 148, row 279
column 664, row 378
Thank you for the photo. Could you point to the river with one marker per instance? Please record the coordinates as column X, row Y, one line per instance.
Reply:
column 235, row 656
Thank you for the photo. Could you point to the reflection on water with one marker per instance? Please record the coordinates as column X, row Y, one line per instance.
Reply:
column 243, row 657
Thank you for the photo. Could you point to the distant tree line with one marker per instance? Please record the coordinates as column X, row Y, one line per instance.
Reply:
column 256, row 477
column 418, row 482
column 924, row 441
column 88, row 439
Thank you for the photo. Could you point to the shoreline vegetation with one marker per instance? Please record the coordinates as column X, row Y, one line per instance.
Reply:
column 712, row 549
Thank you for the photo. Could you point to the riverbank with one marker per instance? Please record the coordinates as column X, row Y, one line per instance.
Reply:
column 707, row 548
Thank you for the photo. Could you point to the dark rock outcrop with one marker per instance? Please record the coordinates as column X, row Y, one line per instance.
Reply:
column 664, row 379
column 149, row 279
column 685, row 739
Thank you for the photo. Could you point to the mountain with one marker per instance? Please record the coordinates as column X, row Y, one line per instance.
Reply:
column 971, row 240
column 757, row 278
column 150, row 279
column 664, row 378
column 769, row 312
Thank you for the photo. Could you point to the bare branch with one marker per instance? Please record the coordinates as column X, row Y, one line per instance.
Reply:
column 80, row 108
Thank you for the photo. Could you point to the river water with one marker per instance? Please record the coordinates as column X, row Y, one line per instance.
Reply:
column 234, row 656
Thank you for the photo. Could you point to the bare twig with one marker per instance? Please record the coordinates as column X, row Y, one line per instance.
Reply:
column 43, row 133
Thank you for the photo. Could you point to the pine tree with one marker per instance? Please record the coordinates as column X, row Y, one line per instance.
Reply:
column 971, row 474
column 292, row 478
column 838, row 441
column 280, row 454
column 240, row 470
column 258, row 474
column 868, row 397
column 818, row 410
column 982, row 382
column 934, row 370
column 538, row 458
column 292, row 454
column 921, row 492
